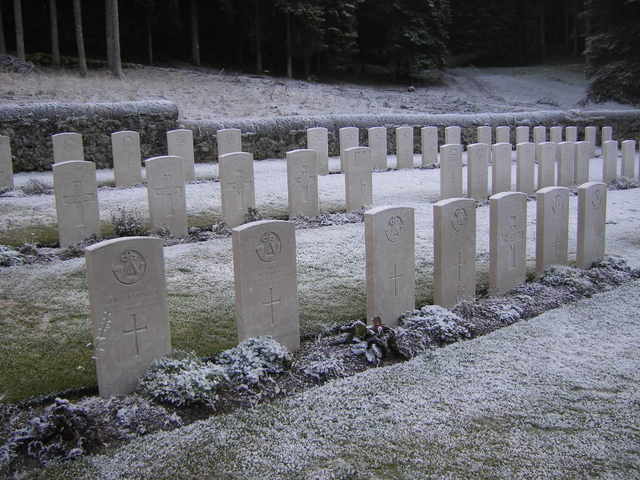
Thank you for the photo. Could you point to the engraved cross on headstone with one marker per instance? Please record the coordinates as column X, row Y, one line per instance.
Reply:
column 167, row 192
column 304, row 180
column 134, row 331
column 239, row 185
column 271, row 303
column 78, row 198
column 396, row 277
column 460, row 281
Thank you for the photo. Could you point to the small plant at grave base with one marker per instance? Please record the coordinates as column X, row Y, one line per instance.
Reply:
column 10, row 257
column 623, row 183
column 435, row 325
column 374, row 342
column 128, row 223
column 253, row 215
column 322, row 370
column 35, row 187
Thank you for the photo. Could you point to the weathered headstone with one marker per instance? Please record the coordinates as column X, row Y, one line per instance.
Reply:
column 609, row 160
column 552, row 227
column 590, row 134
column 584, row 150
column 302, row 183
column 266, row 287
column 607, row 134
column 67, row 146
column 592, row 217
column 453, row 135
column 629, row 158
column 6, row 164
column 546, row 159
column 508, row 241
column 429, row 137
column 571, row 134
column 318, row 140
column 76, row 193
column 180, row 144
column 454, row 239
column 555, row 134
column 503, row 134
column 450, row 171
column 349, row 138
column 501, row 170
column 229, row 140
column 484, row 135
column 390, row 250
column 166, row 192
column 127, row 160
column 128, row 299
column 566, row 165
column 522, row 134
column 478, row 171
column 404, row 147
column 357, row 178
column 378, row 145
column 539, row 134
column 525, row 167
column 237, row 189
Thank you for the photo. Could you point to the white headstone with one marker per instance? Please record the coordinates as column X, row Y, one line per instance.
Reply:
column 76, row 193
column 539, row 134
column 546, row 159
column 450, row 171
column 166, row 192
column 566, row 164
column 453, row 135
column 508, row 241
column 484, row 135
column 607, row 134
column 584, row 150
column 552, row 227
column 571, row 134
column 302, row 183
column 404, row 147
column 501, row 170
column 237, row 188
column 358, row 178
column 592, row 217
column 555, row 134
column 454, row 239
column 522, row 135
column 349, row 138
column 127, row 160
column 390, row 250
column 429, row 137
column 478, row 171
column 609, row 160
column 229, row 140
column 503, row 134
column 629, row 158
column 266, row 287
column 378, row 144
column 180, row 144
column 525, row 167
column 6, row 164
column 590, row 134
column 67, row 146
column 318, row 140
column 128, row 299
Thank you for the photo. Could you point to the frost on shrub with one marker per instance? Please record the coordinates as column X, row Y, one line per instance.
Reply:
column 623, row 183
column 571, row 278
column 409, row 343
column 36, row 187
column 10, row 257
column 128, row 223
column 322, row 370
column 439, row 325
column 182, row 382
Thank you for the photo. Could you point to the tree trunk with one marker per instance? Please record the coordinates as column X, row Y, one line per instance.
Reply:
column 108, row 26
column 195, row 33
column 17, row 13
column 149, row 40
column 55, row 44
column 82, row 58
column 3, row 43
column 258, row 39
column 289, row 59
column 117, row 61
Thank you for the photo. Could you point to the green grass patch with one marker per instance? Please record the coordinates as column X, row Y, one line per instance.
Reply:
column 41, row 235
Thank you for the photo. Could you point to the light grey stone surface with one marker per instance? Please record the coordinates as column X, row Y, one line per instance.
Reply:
column 166, row 193
column 266, row 287
column 609, row 160
column 592, row 218
column 522, row 134
column 390, row 264
column 67, row 146
column 503, row 134
column 629, row 158
column 607, row 134
column 590, row 135
column 349, row 138
column 525, row 167
column 180, row 144
column 6, row 164
column 76, row 194
column 453, row 135
column 546, row 160
column 454, row 248
column 127, row 160
column 566, row 165
column 318, row 140
column 128, row 301
column 237, row 188
column 450, row 171
column 507, row 242
column 229, row 140
column 377, row 137
column 584, row 151
column 501, row 169
column 302, row 183
column 571, row 134
column 429, row 140
column 484, row 135
column 478, row 155
column 404, row 147
column 552, row 227
column 358, row 180
column 555, row 134
column 539, row 134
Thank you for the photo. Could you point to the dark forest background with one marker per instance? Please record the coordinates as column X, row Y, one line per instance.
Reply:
column 306, row 38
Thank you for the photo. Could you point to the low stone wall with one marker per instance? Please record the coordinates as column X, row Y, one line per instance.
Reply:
column 272, row 138
column 30, row 128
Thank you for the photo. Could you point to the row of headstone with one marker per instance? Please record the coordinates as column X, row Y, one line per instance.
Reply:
column 127, row 286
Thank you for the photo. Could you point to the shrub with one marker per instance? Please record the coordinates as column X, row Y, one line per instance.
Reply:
column 128, row 223
column 36, row 187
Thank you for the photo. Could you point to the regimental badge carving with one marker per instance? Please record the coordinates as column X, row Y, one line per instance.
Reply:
column 269, row 247
column 459, row 219
column 130, row 267
column 394, row 229
column 596, row 199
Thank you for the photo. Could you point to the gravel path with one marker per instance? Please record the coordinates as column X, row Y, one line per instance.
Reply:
column 554, row 397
